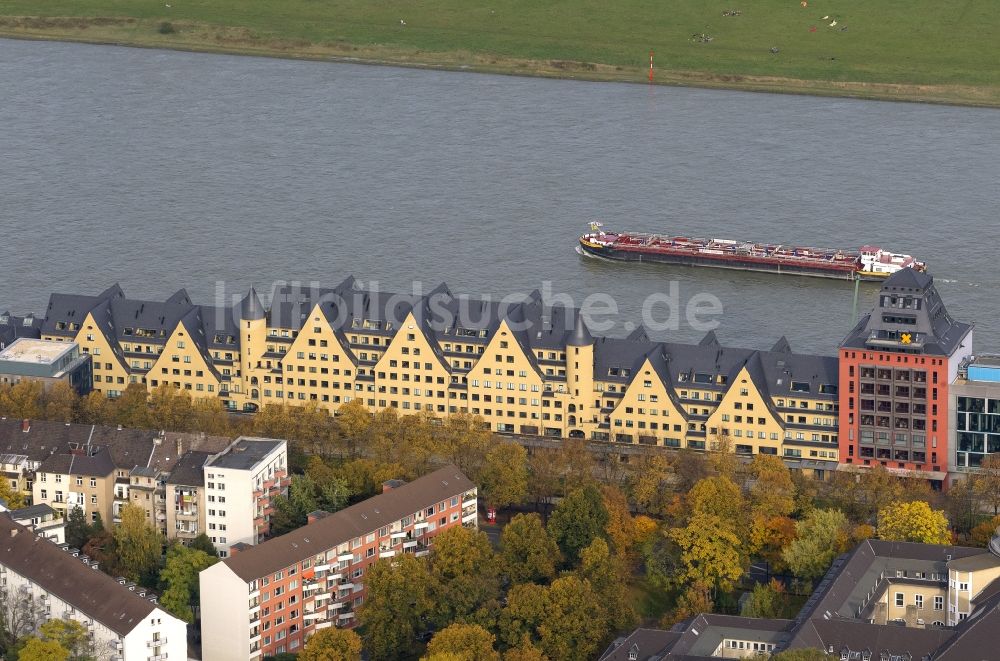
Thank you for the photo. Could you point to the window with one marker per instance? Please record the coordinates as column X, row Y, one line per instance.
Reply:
column 939, row 603
column 899, row 599
column 918, row 600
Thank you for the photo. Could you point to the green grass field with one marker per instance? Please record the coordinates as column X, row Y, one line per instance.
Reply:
column 932, row 50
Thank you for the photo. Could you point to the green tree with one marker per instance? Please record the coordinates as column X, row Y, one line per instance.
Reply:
column 138, row 544
column 527, row 606
column 528, row 552
column 710, row 552
column 768, row 600
column 819, row 538
column 332, row 644
column 397, row 604
column 179, row 580
column 203, row 543
column 913, row 522
column 805, row 654
column 571, row 629
column 466, row 575
column 36, row 649
column 77, row 529
column 577, row 520
column 504, row 477
column 608, row 578
column 465, row 642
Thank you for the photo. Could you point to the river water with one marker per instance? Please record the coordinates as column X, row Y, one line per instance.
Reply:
column 162, row 170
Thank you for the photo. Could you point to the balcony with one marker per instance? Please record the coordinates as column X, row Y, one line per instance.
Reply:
column 469, row 518
column 398, row 535
column 345, row 557
column 345, row 616
column 421, row 525
column 156, row 643
column 387, row 553
column 409, row 544
column 324, row 624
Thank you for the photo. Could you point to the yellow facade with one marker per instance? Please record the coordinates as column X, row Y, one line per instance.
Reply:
column 553, row 379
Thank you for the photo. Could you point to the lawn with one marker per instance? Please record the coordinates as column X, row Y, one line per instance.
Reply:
column 918, row 49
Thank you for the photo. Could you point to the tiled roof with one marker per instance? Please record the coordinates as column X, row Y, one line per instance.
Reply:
column 89, row 590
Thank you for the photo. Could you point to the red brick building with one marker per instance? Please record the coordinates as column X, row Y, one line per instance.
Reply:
column 268, row 599
column 895, row 367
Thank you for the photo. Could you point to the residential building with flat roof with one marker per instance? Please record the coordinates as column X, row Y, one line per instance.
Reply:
column 240, row 482
column 268, row 599
column 974, row 410
column 47, row 362
column 124, row 622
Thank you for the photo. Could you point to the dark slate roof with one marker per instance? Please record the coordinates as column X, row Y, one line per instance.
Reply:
column 189, row 470
column 13, row 327
column 31, row 511
column 343, row 526
column 858, row 636
column 932, row 329
column 90, row 591
column 251, row 308
column 581, row 336
column 705, row 632
column 646, row 643
column 975, row 637
column 94, row 462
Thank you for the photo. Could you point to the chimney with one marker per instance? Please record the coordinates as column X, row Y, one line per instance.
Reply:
column 26, row 425
column 119, row 427
column 389, row 485
column 180, row 447
column 13, row 532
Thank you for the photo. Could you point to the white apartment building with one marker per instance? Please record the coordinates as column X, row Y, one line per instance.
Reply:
column 41, row 520
column 239, row 484
column 125, row 624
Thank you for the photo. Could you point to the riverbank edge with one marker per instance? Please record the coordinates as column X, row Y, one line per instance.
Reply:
column 965, row 96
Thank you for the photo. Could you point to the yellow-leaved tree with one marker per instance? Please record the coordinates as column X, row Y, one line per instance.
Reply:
column 913, row 522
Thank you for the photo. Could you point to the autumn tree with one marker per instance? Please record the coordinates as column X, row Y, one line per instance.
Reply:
column 805, row 654
column 607, row 576
column 397, row 602
column 527, row 606
column 466, row 576
column 577, row 520
column 131, row 408
column 625, row 532
column 913, row 522
column 819, row 538
column 463, row 642
column 987, row 482
column 21, row 400
column 332, row 644
column 137, row 544
column 59, row 402
column 571, row 628
column 689, row 467
column 721, row 497
column 528, row 552
column 71, row 636
column 36, row 649
column 694, row 600
column 768, row 538
column 11, row 496
column 504, row 476
column 95, row 409
column 526, row 651
column 170, row 408
column 463, row 440
column 773, row 492
column 646, row 483
column 179, row 580
column 710, row 552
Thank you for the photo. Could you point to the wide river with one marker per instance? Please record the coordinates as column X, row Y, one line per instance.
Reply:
column 162, row 170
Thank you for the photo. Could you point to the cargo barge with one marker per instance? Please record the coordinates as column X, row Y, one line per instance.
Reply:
column 866, row 263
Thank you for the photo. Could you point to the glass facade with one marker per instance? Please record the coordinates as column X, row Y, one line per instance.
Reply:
column 978, row 425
